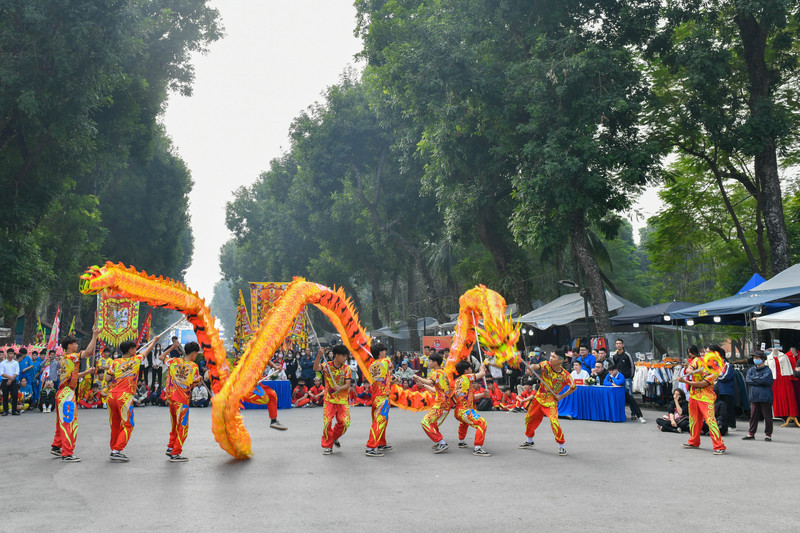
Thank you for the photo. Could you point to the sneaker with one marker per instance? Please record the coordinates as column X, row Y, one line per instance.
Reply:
column 749, row 437
column 274, row 424
column 562, row 451
column 384, row 448
column 441, row 447
column 55, row 450
column 720, row 452
column 642, row 420
column 480, row 452
column 119, row 457
column 70, row 459
column 687, row 445
column 176, row 459
column 768, row 439
column 373, row 453
column 169, row 452
column 463, row 445
column 526, row 446
column 327, row 451
column 337, row 444
column 680, row 430
column 15, row 413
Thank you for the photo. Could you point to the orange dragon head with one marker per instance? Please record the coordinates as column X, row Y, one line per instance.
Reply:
column 95, row 280
column 499, row 338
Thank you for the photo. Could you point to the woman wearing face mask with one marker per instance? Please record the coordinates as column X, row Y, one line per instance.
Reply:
column 759, row 381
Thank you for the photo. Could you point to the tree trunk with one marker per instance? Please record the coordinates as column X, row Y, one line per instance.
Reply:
column 594, row 280
column 377, row 301
column 412, row 297
column 754, row 41
column 512, row 267
column 29, row 332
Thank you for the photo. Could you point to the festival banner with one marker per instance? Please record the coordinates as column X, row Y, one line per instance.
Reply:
column 243, row 330
column 53, row 342
column 40, row 338
column 144, row 335
column 117, row 318
column 263, row 296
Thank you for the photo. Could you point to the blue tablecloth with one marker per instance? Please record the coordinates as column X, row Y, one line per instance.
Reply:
column 594, row 402
column 282, row 388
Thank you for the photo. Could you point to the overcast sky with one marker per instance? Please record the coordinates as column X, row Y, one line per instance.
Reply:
column 275, row 60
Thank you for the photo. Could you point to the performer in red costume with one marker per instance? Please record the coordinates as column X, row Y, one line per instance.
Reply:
column 381, row 372
column 438, row 383
column 66, row 408
column 553, row 379
column 702, row 376
column 122, row 377
column 182, row 376
column 463, row 397
column 337, row 376
column 263, row 394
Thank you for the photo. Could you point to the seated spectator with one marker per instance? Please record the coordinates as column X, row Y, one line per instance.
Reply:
column 47, row 398
column 199, row 396
column 142, row 396
column 616, row 379
column 316, row 393
column 156, row 396
column 508, row 402
column 364, row 394
column 483, row 398
column 91, row 398
column 531, row 381
column 578, row 372
column 300, row 396
column 351, row 399
column 598, row 374
column 523, row 398
column 677, row 417
column 495, row 394
column 25, row 395
column 404, row 372
column 602, row 357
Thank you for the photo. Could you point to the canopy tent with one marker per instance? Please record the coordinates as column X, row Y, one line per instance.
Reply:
column 752, row 283
column 655, row 314
column 569, row 308
column 751, row 301
column 400, row 329
column 789, row 319
column 787, row 279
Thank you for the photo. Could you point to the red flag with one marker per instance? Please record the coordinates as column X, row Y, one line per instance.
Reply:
column 144, row 335
column 53, row 342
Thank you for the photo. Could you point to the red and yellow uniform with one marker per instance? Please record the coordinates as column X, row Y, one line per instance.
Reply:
column 125, row 373
column 701, row 406
column 441, row 405
column 544, row 403
column 381, row 372
column 263, row 394
column 181, row 376
column 317, row 391
column 336, row 405
column 66, row 408
column 464, row 398
column 297, row 396
column 508, row 401
column 521, row 397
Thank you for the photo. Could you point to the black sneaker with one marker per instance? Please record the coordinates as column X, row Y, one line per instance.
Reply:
column 480, row 452
column 55, row 450
column 327, row 451
column 169, row 452
column 562, row 451
column 274, row 424
column 175, row 459
column 384, row 448
column 15, row 413
column 526, row 446
column 70, row 459
column 441, row 447
column 749, row 437
column 373, row 453
column 720, row 452
column 337, row 444
column 689, row 446
column 463, row 445
column 119, row 457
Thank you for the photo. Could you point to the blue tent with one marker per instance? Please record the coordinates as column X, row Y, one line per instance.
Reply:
column 752, row 283
column 650, row 315
column 750, row 301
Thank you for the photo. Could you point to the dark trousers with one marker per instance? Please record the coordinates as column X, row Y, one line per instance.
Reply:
column 666, row 425
column 630, row 400
column 12, row 390
column 759, row 410
column 155, row 375
column 730, row 404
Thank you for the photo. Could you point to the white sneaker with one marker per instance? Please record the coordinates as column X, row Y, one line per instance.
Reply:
column 642, row 420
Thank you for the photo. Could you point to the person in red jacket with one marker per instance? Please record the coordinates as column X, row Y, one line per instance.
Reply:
column 523, row 398
column 317, row 393
column 364, row 394
column 300, row 394
column 508, row 401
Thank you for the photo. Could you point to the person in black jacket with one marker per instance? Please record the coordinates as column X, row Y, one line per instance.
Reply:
column 759, row 380
column 624, row 363
column 677, row 418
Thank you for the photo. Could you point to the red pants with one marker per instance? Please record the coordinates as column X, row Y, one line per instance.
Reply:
column 301, row 403
column 66, row 421
column 533, row 418
column 699, row 411
column 265, row 395
column 330, row 433
column 89, row 405
column 380, row 418
column 430, row 423
column 469, row 417
column 179, row 426
column 120, row 416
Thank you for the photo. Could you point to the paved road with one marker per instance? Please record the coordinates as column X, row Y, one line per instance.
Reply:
column 617, row 477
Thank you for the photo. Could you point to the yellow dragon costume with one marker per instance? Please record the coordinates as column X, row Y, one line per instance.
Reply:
column 498, row 336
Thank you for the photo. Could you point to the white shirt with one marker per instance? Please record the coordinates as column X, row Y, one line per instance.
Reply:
column 9, row 368
column 583, row 374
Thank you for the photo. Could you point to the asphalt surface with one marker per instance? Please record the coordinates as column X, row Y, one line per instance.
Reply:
column 617, row 477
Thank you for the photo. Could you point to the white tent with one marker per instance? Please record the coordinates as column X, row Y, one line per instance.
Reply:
column 788, row 278
column 789, row 319
column 569, row 308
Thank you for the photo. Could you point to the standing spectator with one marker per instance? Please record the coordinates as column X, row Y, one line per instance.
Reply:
column 586, row 359
column 291, row 369
column 51, row 370
column 200, row 396
column 759, row 381
column 423, row 361
column 355, row 372
column 624, row 363
column 307, row 367
column 9, row 370
column 25, row 366
column 47, row 398
column 726, row 384
column 38, row 360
